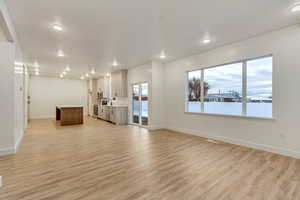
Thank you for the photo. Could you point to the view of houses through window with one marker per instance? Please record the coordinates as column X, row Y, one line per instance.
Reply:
column 219, row 90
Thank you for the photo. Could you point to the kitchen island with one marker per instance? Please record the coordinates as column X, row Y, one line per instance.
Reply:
column 69, row 114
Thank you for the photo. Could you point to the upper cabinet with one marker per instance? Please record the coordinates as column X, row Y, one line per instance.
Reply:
column 119, row 83
column 104, row 86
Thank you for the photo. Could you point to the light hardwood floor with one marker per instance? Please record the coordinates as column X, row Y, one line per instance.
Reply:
column 100, row 161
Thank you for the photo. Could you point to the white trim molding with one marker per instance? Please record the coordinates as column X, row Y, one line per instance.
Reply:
column 7, row 151
column 154, row 127
column 18, row 143
column 249, row 144
column 12, row 150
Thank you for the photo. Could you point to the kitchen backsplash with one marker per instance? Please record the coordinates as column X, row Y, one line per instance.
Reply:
column 121, row 101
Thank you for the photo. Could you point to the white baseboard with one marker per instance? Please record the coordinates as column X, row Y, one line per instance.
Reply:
column 156, row 127
column 7, row 151
column 272, row 149
column 43, row 117
column 19, row 142
column 13, row 150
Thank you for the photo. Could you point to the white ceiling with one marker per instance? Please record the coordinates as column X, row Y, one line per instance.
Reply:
column 136, row 31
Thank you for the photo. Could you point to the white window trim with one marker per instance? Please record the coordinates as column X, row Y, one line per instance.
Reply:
column 244, row 90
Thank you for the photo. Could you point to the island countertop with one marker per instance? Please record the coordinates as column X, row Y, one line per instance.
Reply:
column 69, row 106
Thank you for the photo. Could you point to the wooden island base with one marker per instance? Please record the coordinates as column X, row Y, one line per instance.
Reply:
column 69, row 115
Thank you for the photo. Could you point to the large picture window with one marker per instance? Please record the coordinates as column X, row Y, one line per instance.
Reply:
column 241, row 88
column 224, row 89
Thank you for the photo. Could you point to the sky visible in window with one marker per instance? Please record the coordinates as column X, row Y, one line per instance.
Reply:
column 224, row 78
column 194, row 74
column 229, row 78
column 259, row 78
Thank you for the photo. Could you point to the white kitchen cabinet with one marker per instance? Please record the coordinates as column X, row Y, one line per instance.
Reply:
column 101, row 114
column 104, row 86
column 115, row 114
column 119, row 115
column 112, row 113
column 119, row 84
column 106, row 113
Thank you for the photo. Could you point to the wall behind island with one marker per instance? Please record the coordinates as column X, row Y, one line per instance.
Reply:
column 48, row 92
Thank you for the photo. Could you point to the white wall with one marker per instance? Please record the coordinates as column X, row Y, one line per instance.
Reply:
column 19, row 100
column 26, row 94
column 2, row 34
column 11, row 87
column 158, row 98
column 19, row 109
column 142, row 73
column 47, row 92
column 280, row 135
column 7, row 98
column 7, row 31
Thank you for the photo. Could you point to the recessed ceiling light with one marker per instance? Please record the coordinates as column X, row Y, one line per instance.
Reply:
column 37, row 73
column 19, row 63
column 57, row 27
column 61, row 75
column 64, row 72
column 107, row 74
column 36, row 64
column 206, row 41
column 115, row 63
column 82, row 77
column 162, row 55
column 87, row 75
column 93, row 71
column 18, row 68
column 296, row 8
column 68, row 68
column 60, row 53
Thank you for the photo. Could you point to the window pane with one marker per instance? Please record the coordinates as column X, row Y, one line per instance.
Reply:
column 223, row 89
column 194, row 91
column 259, row 87
column 144, row 102
column 136, row 104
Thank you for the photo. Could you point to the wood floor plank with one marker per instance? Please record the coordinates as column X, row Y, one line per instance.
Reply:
column 99, row 160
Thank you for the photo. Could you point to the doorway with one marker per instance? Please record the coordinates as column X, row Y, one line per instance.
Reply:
column 140, row 104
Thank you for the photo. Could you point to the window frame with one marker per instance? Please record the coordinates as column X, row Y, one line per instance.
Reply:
column 244, row 89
